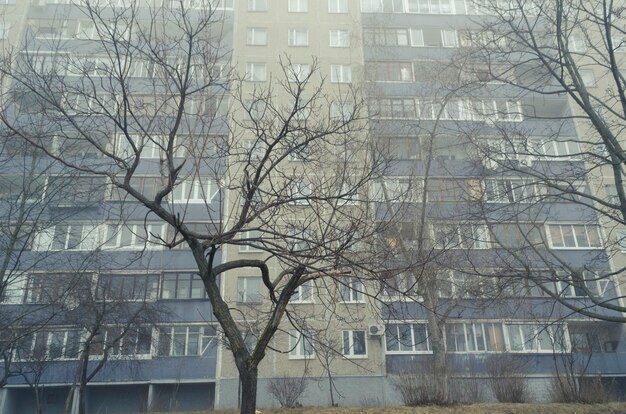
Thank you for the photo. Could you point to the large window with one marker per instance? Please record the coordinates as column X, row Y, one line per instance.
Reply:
column 257, row 5
column 298, row 72
column 298, row 6
column 249, row 290
column 461, row 236
column 509, row 190
column 195, row 191
column 185, row 340
column 298, row 37
column 393, row 108
column 123, row 341
column 51, row 345
column 340, row 74
column 133, row 236
column 52, row 287
column 337, row 6
column 407, row 338
column 574, row 236
column 351, row 290
column 127, row 287
column 303, row 293
column 67, row 237
column 474, row 337
column 390, row 71
column 256, row 36
column 300, row 345
column 376, row 36
column 339, row 38
column 182, row 285
column 256, row 72
column 537, row 338
column 430, row 6
column 354, row 344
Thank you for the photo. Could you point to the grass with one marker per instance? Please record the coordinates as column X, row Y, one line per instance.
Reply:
column 611, row 408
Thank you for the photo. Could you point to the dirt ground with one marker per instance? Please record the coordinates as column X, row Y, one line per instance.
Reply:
column 612, row 408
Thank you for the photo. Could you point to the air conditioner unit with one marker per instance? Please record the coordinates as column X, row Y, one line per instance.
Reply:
column 376, row 330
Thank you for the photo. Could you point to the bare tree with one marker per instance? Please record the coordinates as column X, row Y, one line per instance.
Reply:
column 567, row 53
column 287, row 180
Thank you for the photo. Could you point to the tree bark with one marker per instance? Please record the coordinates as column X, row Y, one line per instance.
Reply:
column 248, row 378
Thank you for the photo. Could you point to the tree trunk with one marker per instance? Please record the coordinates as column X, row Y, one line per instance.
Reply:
column 248, row 377
column 82, row 403
column 440, row 362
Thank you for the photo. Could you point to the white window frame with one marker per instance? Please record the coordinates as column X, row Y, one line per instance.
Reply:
column 552, row 233
column 247, row 292
column 298, row 72
column 257, row 5
column 340, row 73
column 195, row 191
column 303, row 293
column 256, row 72
column 297, row 37
column 45, row 239
column 535, row 344
column 298, row 6
column 300, row 192
column 337, row 6
column 469, row 332
column 135, row 231
column 449, row 38
column 256, row 36
column 205, row 338
column 339, row 38
column 250, row 234
column 348, row 341
column 300, row 346
column 351, row 290
column 395, row 327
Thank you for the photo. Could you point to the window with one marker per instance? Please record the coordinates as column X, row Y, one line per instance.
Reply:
column 52, row 287
column 460, row 236
column 386, row 37
column 298, row 6
column 194, row 191
column 390, row 71
column 54, row 345
column 182, row 285
column 354, row 344
column 249, row 290
column 257, row 5
column 449, row 38
column 574, row 236
column 341, row 111
column 554, row 149
column 509, row 191
column 67, row 237
column 337, row 6
column 340, row 73
column 474, row 337
column 303, row 293
column 588, row 78
column 299, row 193
column 393, row 108
column 132, row 236
column 256, row 36
column 189, row 340
column 339, row 38
column 127, row 287
column 430, row 6
column 537, row 338
column 351, row 290
column 298, row 72
column 406, row 338
column 298, row 37
column 417, row 38
column 136, row 341
column 18, row 187
column 300, row 345
column 576, row 43
column 581, row 284
column 72, row 191
column 256, row 72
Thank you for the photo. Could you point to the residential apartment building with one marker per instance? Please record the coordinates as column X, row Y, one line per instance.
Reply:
column 467, row 212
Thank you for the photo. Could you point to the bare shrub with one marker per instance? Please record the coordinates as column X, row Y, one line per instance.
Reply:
column 416, row 389
column 466, row 390
column 287, row 390
column 508, row 378
column 579, row 389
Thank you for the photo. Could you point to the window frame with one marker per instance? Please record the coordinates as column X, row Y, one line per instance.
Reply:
column 348, row 339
